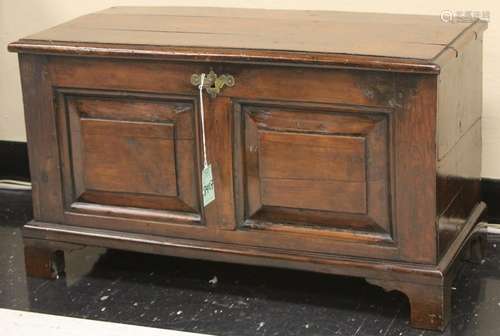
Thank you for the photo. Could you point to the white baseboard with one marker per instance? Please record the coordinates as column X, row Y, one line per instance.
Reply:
column 21, row 323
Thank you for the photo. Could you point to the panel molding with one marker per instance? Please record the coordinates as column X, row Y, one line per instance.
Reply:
column 152, row 116
column 374, row 124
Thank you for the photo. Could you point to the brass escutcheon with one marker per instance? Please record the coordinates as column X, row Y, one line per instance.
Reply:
column 213, row 83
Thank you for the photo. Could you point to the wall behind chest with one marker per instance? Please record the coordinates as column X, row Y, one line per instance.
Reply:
column 21, row 18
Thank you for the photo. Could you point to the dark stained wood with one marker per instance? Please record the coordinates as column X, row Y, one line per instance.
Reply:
column 430, row 305
column 314, row 195
column 344, row 86
column 216, row 55
column 478, row 214
column 335, row 157
column 117, row 157
column 460, row 96
column 353, row 151
column 42, row 142
column 43, row 262
column 459, row 141
column 107, row 150
column 145, row 213
column 411, row 37
column 348, row 242
column 47, row 233
column 219, row 131
column 308, row 164
column 415, row 160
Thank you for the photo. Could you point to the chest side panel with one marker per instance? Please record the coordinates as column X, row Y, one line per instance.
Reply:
column 459, row 141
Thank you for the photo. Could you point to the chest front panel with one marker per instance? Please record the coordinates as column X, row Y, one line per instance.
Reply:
column 303, row 159
column 314, row 166
column 129, row 151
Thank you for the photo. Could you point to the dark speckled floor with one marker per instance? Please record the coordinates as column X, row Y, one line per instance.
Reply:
column 177, row 294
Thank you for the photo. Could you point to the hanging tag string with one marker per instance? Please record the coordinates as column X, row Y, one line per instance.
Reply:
column 202, row 112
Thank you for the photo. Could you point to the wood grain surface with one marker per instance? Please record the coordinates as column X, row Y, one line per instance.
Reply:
column 410, row 42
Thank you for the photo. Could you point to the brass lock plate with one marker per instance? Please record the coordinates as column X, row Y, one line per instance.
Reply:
column 213, row 83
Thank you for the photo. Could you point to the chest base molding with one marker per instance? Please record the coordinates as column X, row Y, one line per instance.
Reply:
column 428, row 288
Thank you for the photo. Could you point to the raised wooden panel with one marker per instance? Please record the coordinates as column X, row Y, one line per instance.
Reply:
column 287, row 178
column 340, row 158
column 118, row 157
column 316, row 166
column 129, row 150
column 314, row 195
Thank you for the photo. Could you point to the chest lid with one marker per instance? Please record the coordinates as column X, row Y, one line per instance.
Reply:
column 397, row 42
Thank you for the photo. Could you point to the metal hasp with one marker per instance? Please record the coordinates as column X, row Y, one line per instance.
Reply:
column 213, row 83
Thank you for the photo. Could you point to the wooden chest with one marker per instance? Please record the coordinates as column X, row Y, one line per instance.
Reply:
column 345, row 143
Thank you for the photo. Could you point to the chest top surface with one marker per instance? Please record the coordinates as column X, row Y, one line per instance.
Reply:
column 284, row 35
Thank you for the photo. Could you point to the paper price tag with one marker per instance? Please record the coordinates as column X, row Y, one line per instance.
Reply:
column 207, row 184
